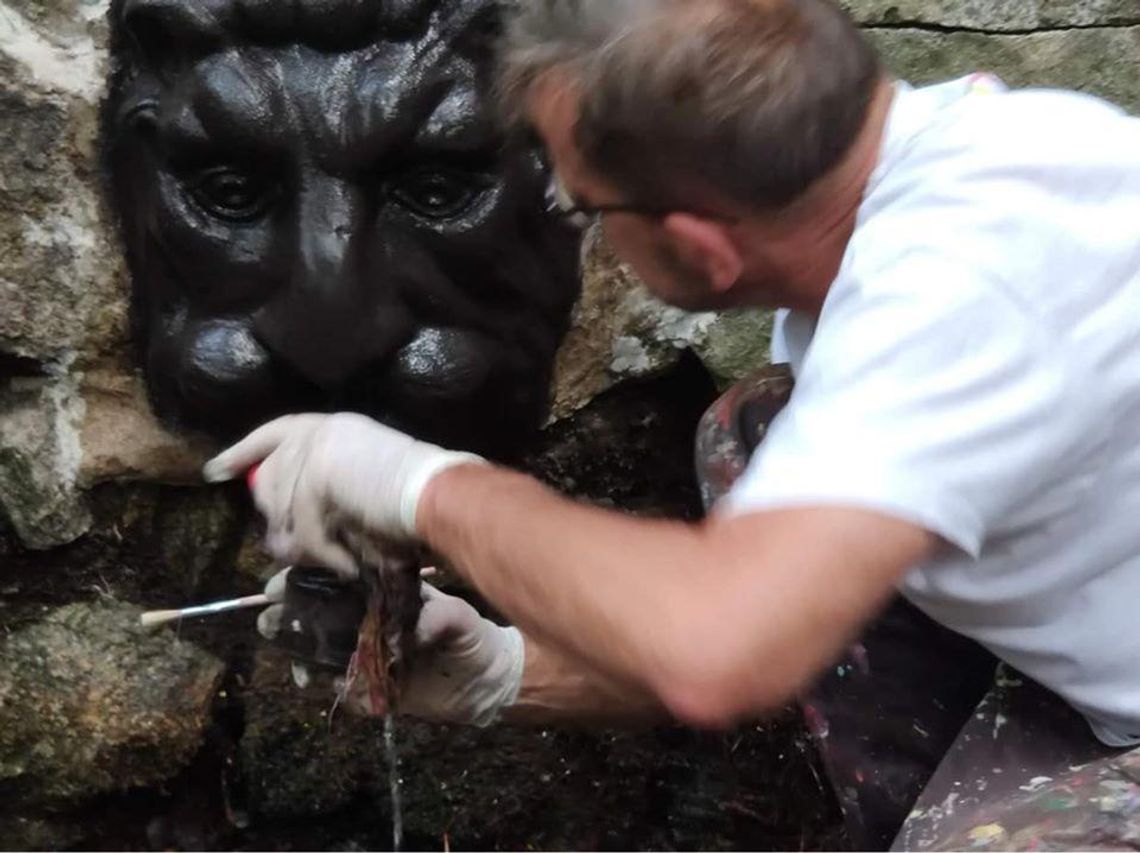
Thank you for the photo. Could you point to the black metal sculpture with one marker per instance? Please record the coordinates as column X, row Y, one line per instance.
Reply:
column 319, row 213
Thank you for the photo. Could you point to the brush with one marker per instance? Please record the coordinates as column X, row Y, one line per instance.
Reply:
column 161, row 617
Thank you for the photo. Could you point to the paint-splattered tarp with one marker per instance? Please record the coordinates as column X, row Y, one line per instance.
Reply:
column 1026, row 773
column 886, row 713
column 903, row 713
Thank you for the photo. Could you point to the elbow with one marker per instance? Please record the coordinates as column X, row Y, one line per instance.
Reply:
column 720, row 691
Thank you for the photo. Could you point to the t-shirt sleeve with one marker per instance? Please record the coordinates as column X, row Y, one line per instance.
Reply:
column 931, row 396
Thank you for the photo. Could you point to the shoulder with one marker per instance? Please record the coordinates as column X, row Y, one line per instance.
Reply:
column 942, row 151
column 1023, row 125
column 993, row 186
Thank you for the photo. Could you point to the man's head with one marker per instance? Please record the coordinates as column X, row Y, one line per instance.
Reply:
column 321, row 212
column 710, row 130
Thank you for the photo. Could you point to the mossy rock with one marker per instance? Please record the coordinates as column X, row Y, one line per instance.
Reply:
column 90, row 702
column 1100, row 61
column 995, row 15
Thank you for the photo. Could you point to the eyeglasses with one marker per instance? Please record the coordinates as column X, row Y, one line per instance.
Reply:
column 561, row 204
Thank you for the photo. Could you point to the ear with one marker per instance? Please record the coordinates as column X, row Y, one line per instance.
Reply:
column 708, row 247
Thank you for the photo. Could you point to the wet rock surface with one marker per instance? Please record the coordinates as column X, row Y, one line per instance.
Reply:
column 91, row 703
column 667, row 789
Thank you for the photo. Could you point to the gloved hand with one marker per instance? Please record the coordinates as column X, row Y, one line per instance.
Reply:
column 320, row 475
column 465, row 670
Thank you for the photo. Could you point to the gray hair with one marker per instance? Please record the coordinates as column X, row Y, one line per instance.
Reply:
column 753, row 100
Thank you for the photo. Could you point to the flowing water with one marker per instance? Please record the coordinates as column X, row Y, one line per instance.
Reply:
column 394, row 782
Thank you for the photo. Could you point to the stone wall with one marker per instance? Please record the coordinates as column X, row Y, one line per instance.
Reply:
column 1090, row 45
column 100, row 511
column 73, row 410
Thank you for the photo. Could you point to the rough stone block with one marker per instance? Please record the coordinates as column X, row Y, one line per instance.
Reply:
column 995, row 15
column 1101, row 61
column 622, row 332
column 92, row 703
column 39, row 461
column 60, row 281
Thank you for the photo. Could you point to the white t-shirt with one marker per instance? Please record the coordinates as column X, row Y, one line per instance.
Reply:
column 976, row 369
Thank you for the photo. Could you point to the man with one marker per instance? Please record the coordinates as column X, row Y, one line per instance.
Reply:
column 963, row 269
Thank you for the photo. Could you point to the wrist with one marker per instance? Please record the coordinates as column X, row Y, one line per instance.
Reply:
column 414, row 500
column 436, row 499
column 503, row 679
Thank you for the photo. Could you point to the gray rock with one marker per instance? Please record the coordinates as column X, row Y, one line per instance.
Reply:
column 62, row 300
column 122, row 440
column 622, row 332
column 39, row 461
column 995, row 15
column 60, row 281
column 736, row 344
column 64, row 18
column 92, row 703
column 1101, row 61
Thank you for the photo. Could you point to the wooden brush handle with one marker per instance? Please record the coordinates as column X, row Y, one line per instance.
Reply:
column 159, row 617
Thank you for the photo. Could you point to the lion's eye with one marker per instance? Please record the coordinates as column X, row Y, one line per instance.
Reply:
column 231, row 194
column 437, row 193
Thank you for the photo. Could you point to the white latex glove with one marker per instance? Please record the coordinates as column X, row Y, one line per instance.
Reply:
column 269, row 623
column 322, row 474
column 466, row 669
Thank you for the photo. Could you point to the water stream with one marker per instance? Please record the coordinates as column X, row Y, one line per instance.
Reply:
column 394, row 782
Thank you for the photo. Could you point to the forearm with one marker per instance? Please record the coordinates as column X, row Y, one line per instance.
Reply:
column 559, row 689
column 597, row 586
column 717, row 620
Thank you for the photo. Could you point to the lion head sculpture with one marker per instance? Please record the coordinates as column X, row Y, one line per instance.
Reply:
column 320, row 213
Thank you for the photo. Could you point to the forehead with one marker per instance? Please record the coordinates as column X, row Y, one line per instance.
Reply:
column 333, row 105
column 552, row 110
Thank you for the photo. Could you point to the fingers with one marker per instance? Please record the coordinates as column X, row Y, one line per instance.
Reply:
column 321, row 551
column 443, row 618
column 234, row 461
column 301, row 676
column 269, row 624
column 290, row 496
column 355, row 698
column 275, row 487
column 313, row 526
column 275, row 588
column 269, row 621
column 311, row 546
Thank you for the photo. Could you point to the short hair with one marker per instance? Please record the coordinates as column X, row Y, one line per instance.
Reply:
column 754, row 100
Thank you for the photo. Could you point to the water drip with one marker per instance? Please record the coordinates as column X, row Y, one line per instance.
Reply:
column 395, row 783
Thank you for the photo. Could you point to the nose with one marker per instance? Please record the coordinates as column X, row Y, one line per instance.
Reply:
column 333, row 314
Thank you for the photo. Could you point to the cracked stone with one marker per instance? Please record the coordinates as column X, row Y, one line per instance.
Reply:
column 995, row 15
column 1103, row 62
column 39, row 462
column 91, row 703
column 622, row 332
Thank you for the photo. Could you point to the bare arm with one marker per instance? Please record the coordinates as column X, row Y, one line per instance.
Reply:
column 559, row 689
column 717, row 621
